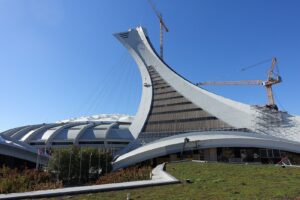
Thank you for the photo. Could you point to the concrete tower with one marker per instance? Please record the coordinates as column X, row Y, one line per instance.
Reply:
column 172, row 106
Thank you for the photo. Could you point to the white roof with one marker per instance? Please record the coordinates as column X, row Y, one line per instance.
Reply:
column 100, row 118
column 104, row 127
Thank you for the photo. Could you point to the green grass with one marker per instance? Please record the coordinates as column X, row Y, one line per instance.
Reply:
column 218, row 181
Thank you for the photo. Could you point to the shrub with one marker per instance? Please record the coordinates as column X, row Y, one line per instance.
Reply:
column 125, row 175
column 76, row 166
column 13, row 180
column 71, row 166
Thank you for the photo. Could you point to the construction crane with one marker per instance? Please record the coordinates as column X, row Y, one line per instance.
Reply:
column 271, row 80
column 162, row 26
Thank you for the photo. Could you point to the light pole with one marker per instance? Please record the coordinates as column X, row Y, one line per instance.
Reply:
column 99, row 157
column 58, row 164
column 90, row 171
column 80, row 165
column 69, row 174
column 186, row 140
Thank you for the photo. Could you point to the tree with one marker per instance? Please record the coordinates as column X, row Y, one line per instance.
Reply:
column 79, row 165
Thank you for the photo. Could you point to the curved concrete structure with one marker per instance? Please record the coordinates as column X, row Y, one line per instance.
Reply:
column 20, row 151
column 173, row 106
column 104, row 132
column 203, row 140
column 98, row 134
column 128, row 38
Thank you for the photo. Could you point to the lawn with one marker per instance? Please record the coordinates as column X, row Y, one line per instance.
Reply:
column 217, row 181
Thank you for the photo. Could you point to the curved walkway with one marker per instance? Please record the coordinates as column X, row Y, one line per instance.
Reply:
column 159, row 177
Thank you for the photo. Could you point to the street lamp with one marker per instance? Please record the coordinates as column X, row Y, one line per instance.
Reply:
column 186, row 140
column 90, row 170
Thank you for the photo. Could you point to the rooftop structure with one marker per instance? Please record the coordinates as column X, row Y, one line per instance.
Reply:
column 99, row 131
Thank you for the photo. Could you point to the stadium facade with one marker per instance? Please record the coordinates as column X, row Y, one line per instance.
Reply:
column 176, row 116
column 29, row 144
column 175, row 119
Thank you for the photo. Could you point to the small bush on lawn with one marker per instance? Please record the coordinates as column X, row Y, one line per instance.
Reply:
column 124, row 175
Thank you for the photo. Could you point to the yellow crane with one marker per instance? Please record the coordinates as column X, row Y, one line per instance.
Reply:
column 162, row 26
column 271, row 80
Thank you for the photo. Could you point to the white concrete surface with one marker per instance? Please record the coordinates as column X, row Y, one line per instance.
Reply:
column 127, row 39
column 20, row 150
column 203, row 140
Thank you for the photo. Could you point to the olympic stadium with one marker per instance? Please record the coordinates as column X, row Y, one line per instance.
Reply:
column 176, row 119
column 21, row 144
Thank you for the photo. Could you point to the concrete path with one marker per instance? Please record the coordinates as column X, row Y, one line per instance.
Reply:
column 159, row 177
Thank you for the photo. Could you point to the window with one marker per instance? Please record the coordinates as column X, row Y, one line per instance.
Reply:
column 263, row 153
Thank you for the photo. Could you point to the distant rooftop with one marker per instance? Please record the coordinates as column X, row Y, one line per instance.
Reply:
column 100, row 117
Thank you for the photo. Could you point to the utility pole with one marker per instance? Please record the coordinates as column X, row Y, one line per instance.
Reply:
column 186, row 140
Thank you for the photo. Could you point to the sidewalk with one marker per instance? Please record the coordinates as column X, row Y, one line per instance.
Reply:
column 159, row 177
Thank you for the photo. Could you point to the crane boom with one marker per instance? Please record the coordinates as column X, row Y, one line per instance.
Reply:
column 271, row 80
column 154, row 9
column 242, row 82
column 162, row 27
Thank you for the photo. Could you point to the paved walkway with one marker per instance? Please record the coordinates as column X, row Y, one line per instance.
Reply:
column 159, row 177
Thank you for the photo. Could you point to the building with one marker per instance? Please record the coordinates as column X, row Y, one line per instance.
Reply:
column 17, row 154
column 175, row 117
column 25, row 145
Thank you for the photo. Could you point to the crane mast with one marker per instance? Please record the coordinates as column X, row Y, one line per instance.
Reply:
column 271, row 80
column 162, row 27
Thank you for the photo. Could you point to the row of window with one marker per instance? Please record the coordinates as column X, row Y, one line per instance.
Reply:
column 270, row 153
column 172, row 104
column 176, row 111
column 81, row 142
column 182, row 120
column 167, row 98
column 166, row 92
column 161, row 87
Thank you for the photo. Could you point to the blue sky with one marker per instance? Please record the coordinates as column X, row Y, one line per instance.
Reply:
column 59, row 60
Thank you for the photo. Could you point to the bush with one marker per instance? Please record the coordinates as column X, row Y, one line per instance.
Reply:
column 71, row 166
column 125, row 175
column 14, row 180
column 76, row 166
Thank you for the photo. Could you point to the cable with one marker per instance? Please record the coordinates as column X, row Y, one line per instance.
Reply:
column 277, row 70
column 254, row 65
column 115, row 92
column 102, row 86
column 277, row 100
